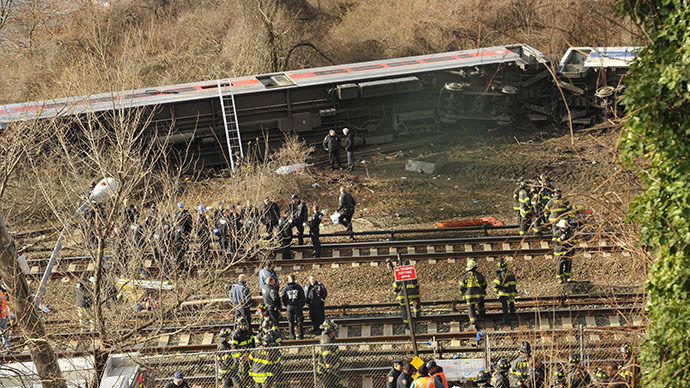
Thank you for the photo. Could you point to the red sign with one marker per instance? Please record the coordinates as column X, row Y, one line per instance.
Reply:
column 405, row 272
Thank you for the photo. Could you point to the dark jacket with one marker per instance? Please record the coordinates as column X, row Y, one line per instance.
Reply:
column 412, row 291
column 185, row 222
column 314, row 223
column 349, row 142
column 173, row 385
column 270, row 213
column 316, row 294
column 271, row 297
column 505, row 284
column 293, row 295
column 346, row 201
column 202, row 227
column 83, row 294
column 392, row 378
column 227, row 366
column 473, row 287
column 284, row 231
column 331, row 143
column 565, row 242
column 298, row 212
column 240, row 295
column 404, row 381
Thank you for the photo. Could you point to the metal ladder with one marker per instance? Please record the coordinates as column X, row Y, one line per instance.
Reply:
column 232, row 127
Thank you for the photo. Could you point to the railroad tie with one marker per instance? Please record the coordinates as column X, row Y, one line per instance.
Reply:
column 567, row 322
column 544, row 323
column 487, row 247
column 432, row 328
column 315, row 266
column 278, row 268
column 613, row 320
column 451, row 260
column 343, row 331
column 524, row 245
column 548, row 256
column 455, row 327
column 468, row 248
column 606, row 254
column 603, row 242
column 590, row 321
column 528, row 257
column 393, row 251
column 73, row 344
column 355, row 264
column 148, row 263
column 387, row 329
column 432, row 261
column 544, row 244
column 637, row 320
column 335, row 265
column 163, row 341
column 595, row 338
column 450, row 248
column 355, row 252
column 298, row 255
column 296, row 267
column 430, row 249
column 587, row 255
column 90, row 267
column 184, row 339
column 366, row 330
column 626, row 254
column 208, row 339
column 293, row 350
column 34, row 269
column 505, row 246
column 374, row 263
column 239, row 270
column 72, row 267
column 490, row 259
column 335, row 253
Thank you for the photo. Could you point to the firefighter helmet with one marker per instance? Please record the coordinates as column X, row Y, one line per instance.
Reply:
column 225, row 333
column 543, row 178
column 328, row 326
column 574, row 358
column 625, row 349
column 241, row 321
column 503, row 365
column 483, row 376
column 559, row 374
column 471, row 264
column 502, row 264
column 562, row 224
column 525, row 348
column 602, row 375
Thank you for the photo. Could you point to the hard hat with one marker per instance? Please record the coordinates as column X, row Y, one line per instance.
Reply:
column 602, row 375
column 574, row 358
column 483, row 376
column 525, row 348
column 328, row 326
column 294, row 196
column 180, row 205
column 241, row 321
column 503, row 365
column 544, row 178
column 562, row 224
column 262, row 307
column 201, row 208
column 559, row 374
column 346, row 130
column 502, row 263
column 178, row 376
column 471, row 264
column 225, row 332
column 216, row 231
column 625, row 349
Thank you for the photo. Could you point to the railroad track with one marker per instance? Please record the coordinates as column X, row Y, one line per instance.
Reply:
column 375, row 253
column 621, row 312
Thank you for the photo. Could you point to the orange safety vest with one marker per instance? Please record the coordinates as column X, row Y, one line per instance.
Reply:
column 443, row 378
column 4, row 308
column 428, row 383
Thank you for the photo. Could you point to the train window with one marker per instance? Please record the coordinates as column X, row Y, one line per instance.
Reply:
column 275, row 80
column 461, row 56
column 403, row 63
column 439, row 59
column 370, row 67
column 329, row 72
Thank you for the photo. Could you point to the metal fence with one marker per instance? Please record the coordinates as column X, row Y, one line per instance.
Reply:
column 365, row 365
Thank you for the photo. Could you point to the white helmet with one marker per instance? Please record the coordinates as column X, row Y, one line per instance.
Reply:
column 562, row 224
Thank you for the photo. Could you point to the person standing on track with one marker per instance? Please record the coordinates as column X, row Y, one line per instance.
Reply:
column 346, row 208
column 565, row 247
column 270, row 216
column 506, row 288
column 314, row 225
column 241, row 298
column 413, row 296
column 316, row 294
column 473, row 291
column 299, row 214
column 227, row 365
column 349, row 146
column 272, row 300
column 293, row 298
column 331, row 143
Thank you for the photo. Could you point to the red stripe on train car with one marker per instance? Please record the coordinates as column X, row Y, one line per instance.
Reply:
column 246, row 82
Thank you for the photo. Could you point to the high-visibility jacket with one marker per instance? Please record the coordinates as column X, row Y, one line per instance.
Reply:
column 505, row 284
column 558, row 209
column 412, row 291
column 499, row 380
column 473, row 287
column 525, row 199
column 227, row 366
column 329, row 356
column 265, row 363
column 565, row 242
column 4, row 306
column 242, row 340
column 425, row 382
column 442, row 376
column 541, row 196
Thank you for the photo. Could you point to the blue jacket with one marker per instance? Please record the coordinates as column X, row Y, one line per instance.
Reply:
column 264, row 274
column 240, row 295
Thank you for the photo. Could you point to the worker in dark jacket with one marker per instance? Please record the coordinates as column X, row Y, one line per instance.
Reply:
column 525, row 202
column 328, row 364
column 299, row 214
column 406, row 377
column 506, row 288
column 558, row 209
column 331, row 143
column 241, row 298
column 178, row 381
column 473, row 291
column 413, row 296
column 285, row 235
column 203, row 233
column 266, row 369
column 542, row 195
column 293, row 298
column 227, row 365
column 270, row 214
column 267, row 272
column 349, row 146
column 577, row 375
column 393, row 374
column 314, row 224
column 346, row 208
column 272, row 300
column 565, row 247
column 242, row 343
column 316, row 294
column 500, row 377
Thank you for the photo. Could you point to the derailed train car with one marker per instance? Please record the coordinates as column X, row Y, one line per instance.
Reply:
column 505, row 85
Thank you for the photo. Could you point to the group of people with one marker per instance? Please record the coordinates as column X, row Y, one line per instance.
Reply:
column 332, row 144
column 235, row 228
column 540, row 205
column 525, row 371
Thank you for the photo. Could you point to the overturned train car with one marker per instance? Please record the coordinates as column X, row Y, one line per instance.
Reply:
column 504, row 85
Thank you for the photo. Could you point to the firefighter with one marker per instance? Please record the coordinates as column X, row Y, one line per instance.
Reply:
column 393, row 374
column 525, row 205
column 522, row 362
column 559, row 380
column 565, row 246
column 412, row 294
column 331, row 143
column 328, row 364
column 542, row 195
column 577, row 375
column 266, row 368
column 227, row 365
column 294, row 299
column 558, row 209
column 516, row 199
column 473, row 291
column 500, row 377
column 628, row 371
column 242, row 343
column 505, row 287
column 484, row 379
column 203, row 233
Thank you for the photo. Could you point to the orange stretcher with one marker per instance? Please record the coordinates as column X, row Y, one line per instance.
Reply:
column 473, row 222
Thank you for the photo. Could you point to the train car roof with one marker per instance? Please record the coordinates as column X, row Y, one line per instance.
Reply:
column 518, row 53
